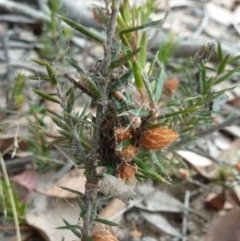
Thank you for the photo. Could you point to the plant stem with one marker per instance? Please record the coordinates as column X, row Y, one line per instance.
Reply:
column 10, row 194
column 103, row 74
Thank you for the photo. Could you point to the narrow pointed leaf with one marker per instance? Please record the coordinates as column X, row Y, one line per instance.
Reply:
column 153, row 64
column 40, row 62
column 60, row 117
column 61, row 124
column 235, row 72
column 82, row 29
column 143, row 52
column 81, row 203
column 51, row 74
column 148, row 87
column 154, row 176
column 125, row 10
column 219, row 51
column 46, row 96
column 159, row 84
column 122, row 81
column 158, row 164
column 234, row 59
column 223, row 64
column 45, row 78
column 102, row 16
column 72, row 228
column 71, row 100
column 76, row 66
column 137, row 76
column 124, row 59
column 106, row 222
column 73, row 191
column 104, row 198
column 141, row 27
column 91, row 86
column 67, row 227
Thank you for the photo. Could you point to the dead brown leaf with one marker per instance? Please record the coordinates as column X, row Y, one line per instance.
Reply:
column 74, row 179
column 226, row 228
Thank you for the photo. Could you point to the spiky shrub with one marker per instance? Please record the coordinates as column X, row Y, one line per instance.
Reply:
column 138, row 114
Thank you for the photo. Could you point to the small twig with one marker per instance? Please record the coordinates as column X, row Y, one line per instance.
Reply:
column 110, row 36
column 185, row 216
column 77, row 84
column 103, row 72
column 11, row 198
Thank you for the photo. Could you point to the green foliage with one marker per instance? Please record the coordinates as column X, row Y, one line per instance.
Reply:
column 136, row 106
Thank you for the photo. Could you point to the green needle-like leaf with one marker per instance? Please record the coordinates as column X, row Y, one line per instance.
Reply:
column 51, row 74
column 71, row 100
column 143, row 52
column 159, row 85
column 122, row 81
column 137, row 76
column 72, row 228
column 76, row 66
column 141, row 27
column 125, row 59
column 106, row 222
column 82, row 29
column 154, row 176
column 40, row 62
column 61, row 124
column 219, row 51
column 46, row 96
column 223, row 64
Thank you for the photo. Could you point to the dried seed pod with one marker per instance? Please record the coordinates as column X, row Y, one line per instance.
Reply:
column 103, row 236
column 157, row 138
column 110, row 185
column 122, row 133
column 127, row 154
column 127, row 171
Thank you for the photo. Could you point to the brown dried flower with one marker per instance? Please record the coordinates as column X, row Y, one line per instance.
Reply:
column 158, row 138
column 103, row 236
column 127, row 154
column 127, row 171
column 122, row 133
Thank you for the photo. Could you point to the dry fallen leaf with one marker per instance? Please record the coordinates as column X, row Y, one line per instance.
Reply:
column 74, row 179
column 160, row 223
column 45, row 214
column 218, row 201
column 226, row 228
column 161, row 201
column 203, row 165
